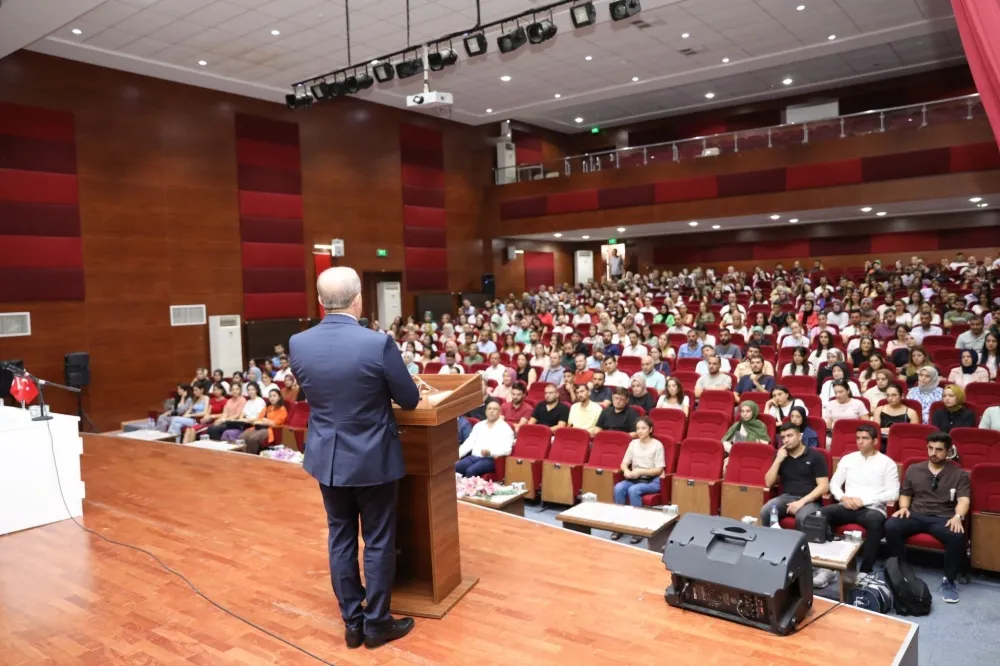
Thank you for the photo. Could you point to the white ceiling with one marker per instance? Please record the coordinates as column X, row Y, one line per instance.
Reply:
column 803, row 217
column 766, row 40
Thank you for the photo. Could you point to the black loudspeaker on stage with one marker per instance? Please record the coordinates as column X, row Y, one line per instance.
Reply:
column 759, row 577
column 78, row 376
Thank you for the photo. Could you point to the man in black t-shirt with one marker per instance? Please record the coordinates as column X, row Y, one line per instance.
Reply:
column 551, row 413
column 600, row 393
column 618, row 415
column 804, row 478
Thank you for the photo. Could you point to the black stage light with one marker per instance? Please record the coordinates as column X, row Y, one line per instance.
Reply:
column 541, row 31
column 299, row 99
column 358, row 82
column 622, row 9
column 407, row 68
column 475, row 44
column 583, row 15
column 384, row 72
column 321, row 91
column 512, row 40
column 441, row 59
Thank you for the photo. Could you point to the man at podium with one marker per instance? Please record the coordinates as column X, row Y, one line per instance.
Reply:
column 350, row 376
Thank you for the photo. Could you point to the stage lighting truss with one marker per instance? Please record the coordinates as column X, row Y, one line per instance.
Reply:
column 542, row 31
column 583, row 14
column 300, row 97
column 512, row 39
column 623, row 9
column 441, row 58
column 409, row 67
column 475, row 45
column 384, row 71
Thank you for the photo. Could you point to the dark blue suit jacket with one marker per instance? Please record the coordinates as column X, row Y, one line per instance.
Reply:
column 349, row 375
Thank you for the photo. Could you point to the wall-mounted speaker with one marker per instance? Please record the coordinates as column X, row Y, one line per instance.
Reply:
column 78, row 369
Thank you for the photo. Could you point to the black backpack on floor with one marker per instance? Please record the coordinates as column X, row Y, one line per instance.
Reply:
column 911, row 595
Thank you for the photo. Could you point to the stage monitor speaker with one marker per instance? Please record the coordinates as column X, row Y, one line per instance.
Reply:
column 760, row 577
column 78, row 369
column 7, row 377
column 489, row 285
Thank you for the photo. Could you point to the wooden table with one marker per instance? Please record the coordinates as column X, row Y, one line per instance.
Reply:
column 512, row 504
column 843, row 563
column 652, row 525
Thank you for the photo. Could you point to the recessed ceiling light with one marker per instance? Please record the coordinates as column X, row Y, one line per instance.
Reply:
column 975, row 199
column 794, row 220
column 505, row 78
column 709, row 95
column 787, row 81
column 588, row 57
column 375, row 61
column 557, row 95
column 716, row 226
column 800, row 8
column 775, row 217
column 881, row 213
column 579, row 120
column 585, row 237
column 685, row 35
column 76, row 31
column 693, row 224
column 557, row 235
column 621, row 230
column 866, row 209
column 489, row 110
column 983, row 205
column 832, row 37
column 275, row 32
column 202, row 63
column 634, row 79
column 725, row 60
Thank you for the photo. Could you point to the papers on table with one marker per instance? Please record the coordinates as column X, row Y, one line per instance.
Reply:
column 213, row 445
column 615, row 514
column 147, row 435
column 832, row 551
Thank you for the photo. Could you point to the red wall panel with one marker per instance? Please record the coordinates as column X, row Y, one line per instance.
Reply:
column 272, row 255
column 791, row 248
column 572, row 202
column 831, row 174
column 975, row 157
column 425, row 259
column 688, row 189
column 36, row 123
column 31, row 219
column 38, row 187
column 270, row 204
column 41, row 252
column 20, row 285
column 915, row 241
column 539, row 269
column 264, row 153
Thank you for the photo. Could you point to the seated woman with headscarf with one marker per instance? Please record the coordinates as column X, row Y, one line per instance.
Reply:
column 748, row 429
column 797, row 417
column 955, row 414
column 833, row 357
column 926, row 392
column 969, row 371
column 839, row 371
column 639, row 395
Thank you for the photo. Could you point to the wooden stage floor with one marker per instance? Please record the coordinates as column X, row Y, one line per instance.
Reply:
column 251, row 533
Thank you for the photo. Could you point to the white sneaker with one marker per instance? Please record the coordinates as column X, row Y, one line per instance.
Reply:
column 823, row 577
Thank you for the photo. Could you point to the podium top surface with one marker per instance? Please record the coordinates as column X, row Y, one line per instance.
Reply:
column 15, row 418
column 450, row 397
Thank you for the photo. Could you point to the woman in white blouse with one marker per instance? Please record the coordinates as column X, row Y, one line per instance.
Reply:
column 673, row 397
column 489, row 439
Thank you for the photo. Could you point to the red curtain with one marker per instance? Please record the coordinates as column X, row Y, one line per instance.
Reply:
column 539, row 269
column 979, row 24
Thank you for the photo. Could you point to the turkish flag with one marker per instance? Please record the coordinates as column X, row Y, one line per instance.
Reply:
column 23, row 389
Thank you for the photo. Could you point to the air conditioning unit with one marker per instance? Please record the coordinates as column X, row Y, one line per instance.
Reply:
column 390, row 303
column 506, row 163
column 225, row 343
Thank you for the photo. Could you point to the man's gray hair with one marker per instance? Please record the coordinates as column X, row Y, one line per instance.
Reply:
column 337, row 287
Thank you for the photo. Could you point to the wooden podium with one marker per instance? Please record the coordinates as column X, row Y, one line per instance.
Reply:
column 429, row 578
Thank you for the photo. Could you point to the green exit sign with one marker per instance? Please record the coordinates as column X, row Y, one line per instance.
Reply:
column 381, row 252
column 612, row 241
column 595, row 130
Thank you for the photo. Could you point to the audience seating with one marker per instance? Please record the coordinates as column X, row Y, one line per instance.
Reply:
column 813, row 404
column 926, row 541
column 759, row 397
column 688, row 379
column 603, row 467
column 630, row 364
column 697, row 482
column 743, row 489
column 669, row 422
column 799, row 385
column 562, row 469
column 716, row 401
column 844, row 439
column 688, row 364
column 939, row 405
column 536, row 391
column 983, row 393
column 976, row 446
column 670, row 451
column 985, row 527
column 908, row 440
column 293, row 433
column 771, row 423
column 524, row 464
column 709, row 424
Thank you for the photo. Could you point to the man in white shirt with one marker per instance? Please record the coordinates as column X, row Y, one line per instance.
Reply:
column 654, row 380
column 488, row 440
column 283, row 369
column 451, row 366
column 584, row 412
column 865, row 481
column 974, row 338
column 708, row 352
column 925, row 328
column 613, row 376
column 852, row 329
column 632, row 347
column 737, row 327
column 495, row 371
column 796, row 338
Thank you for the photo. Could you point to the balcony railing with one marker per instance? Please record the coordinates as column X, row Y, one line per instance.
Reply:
column 900, row 118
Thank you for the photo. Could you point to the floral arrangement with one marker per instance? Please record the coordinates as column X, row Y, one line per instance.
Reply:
column 477, row 486
column 284, row 454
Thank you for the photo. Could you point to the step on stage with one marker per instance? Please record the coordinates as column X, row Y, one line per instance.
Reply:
column 251, row 533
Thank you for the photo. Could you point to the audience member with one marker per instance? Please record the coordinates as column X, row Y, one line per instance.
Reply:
column 725, row 348
column 969, row 369
column 743, row 367
column 672, row 396
column 781, row 403
column 638, row 394
column 653, row 378
column 876, row 391
column 838, row 372
column 991, row 418
column 803, row 475
column 642, row 466
column 925, row 328
column 613, row 377
column 799, row 364
column 517, row 412
column 692, row 348
column 600, row 393
column 550, row 412
column 715, row 380
column 708, row 351
column 495, row 371
column 283, row 369
column 411, row 366
column 553, row 373
column 926, row 392
column 955, row 413
column 918, row 358
column 618, row 415
column 974, row 338
column 177, row 406
column 756, row 380
column 843, row 405
column 991, row 354
column 584, row 413
column 798, row 418
column 491, row 438
column 253, row 407
column 262, row 433
column 748, row 428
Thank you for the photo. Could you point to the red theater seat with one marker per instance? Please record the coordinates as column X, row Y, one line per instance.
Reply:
column 697, row 481
column 799, row 385
column 985, row 527
column 668, row 422
column 743, row 488
column 530, row 448
column 908, row 440
column 983, row 393
column 707, row 424
column 976, row 446
column 688, row 379
column 716, row 401
column 562, row 470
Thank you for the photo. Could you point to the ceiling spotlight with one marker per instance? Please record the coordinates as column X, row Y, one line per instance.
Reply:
column 583, row 14
column 384, row 72
column 489, row 110
column 275, row 32
column 585, row 237
column 693, row 224
column 441, row 59
column 716, row 226
column 725, row 60
column 505, row 78
column 983, row 205
column 832, row 37
column 512, row 40
column 407, row 68
column 300, row 98
column 775, row 217
column 202, row 63
column 709, row 95
column 622, row 9
column 588, row 58
column 358, row 82
column 475, row 45
column 975, row 199
column 557, row 95
column 635, row 79
column 557, row 235
column 76, row 31
column 621, row 230
column 579, row 120
column 787, row 81
column 794, row 220
column 685, row 35
column 866, row 209
column 541, row 31
column 323, row 90
column 881, row 213
column 800, row 8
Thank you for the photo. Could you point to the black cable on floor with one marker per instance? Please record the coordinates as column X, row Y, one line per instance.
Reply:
column 194, row 588
column 820, row 616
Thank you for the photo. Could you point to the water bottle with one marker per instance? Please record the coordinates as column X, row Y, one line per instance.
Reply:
column 150, row 424
column 775, row 523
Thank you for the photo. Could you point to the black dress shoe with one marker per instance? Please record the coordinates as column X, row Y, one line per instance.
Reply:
column 354, row 638
column 396, row 629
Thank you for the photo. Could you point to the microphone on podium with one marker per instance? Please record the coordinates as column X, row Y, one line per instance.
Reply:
column 363, row 322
